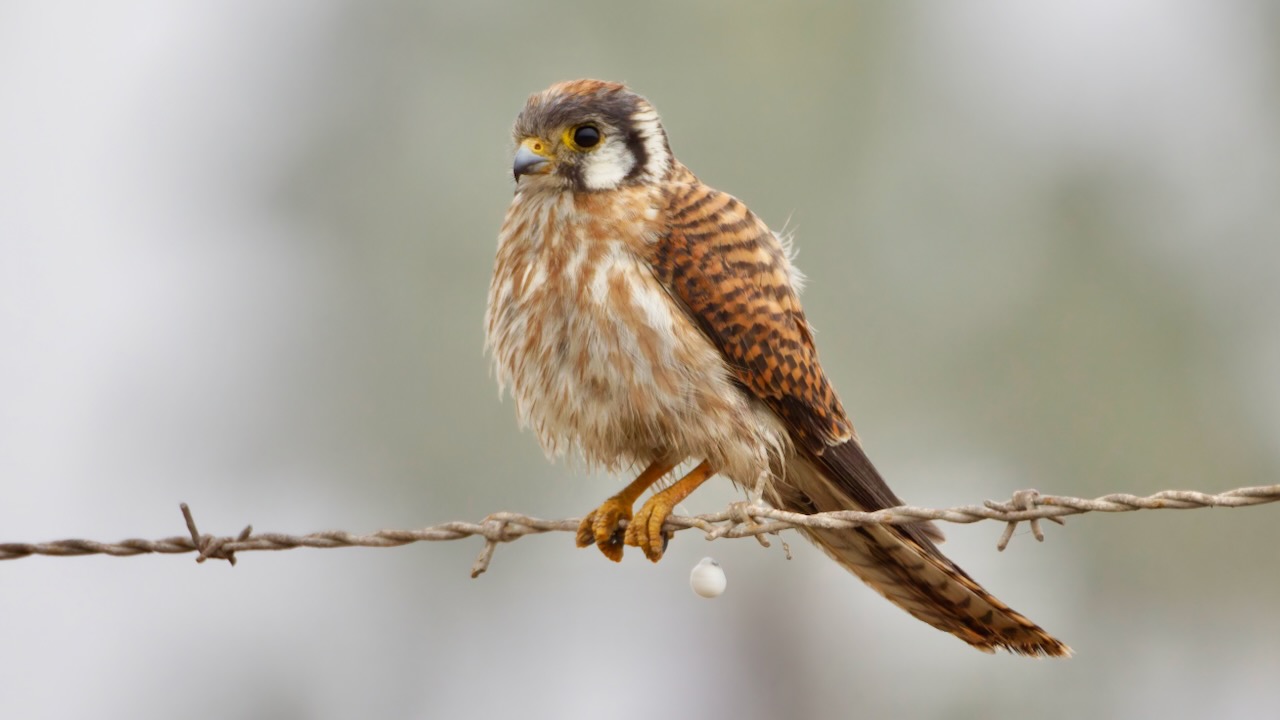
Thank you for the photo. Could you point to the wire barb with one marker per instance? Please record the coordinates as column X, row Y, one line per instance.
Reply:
column 1022, row 500
column 210, row 546
column 739, row 520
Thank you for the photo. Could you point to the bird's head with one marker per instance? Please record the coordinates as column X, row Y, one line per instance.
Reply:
column 589, row 135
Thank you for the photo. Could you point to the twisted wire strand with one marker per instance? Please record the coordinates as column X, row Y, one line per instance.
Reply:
column 739, row 520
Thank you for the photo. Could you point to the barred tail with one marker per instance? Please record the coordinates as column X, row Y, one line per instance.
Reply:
column 902, row 564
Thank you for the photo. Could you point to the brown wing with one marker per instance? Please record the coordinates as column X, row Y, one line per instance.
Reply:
column 730, row 271
column 725, row 266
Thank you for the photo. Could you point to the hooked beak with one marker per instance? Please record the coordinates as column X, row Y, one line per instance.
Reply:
column 532, row 158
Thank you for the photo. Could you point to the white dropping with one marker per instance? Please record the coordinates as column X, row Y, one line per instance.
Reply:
column 707, row 578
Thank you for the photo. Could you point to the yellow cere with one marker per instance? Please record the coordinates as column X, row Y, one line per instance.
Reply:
column 537, row 146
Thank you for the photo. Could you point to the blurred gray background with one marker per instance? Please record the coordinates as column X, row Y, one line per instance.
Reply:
column 244, row 251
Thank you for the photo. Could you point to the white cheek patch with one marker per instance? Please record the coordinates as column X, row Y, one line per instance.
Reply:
column 606, row 168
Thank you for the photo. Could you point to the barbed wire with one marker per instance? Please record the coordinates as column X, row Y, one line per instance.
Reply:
column 739, row 520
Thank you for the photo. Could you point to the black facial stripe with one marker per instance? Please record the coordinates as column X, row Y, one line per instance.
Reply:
column 573, row 173
column 635, row 146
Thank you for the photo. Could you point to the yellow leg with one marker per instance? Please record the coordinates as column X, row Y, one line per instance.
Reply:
column 645, row 530
column 601, row 525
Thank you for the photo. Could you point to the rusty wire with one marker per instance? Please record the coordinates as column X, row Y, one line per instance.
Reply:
column 737, row 521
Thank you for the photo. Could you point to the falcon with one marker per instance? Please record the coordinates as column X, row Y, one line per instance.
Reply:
column 644, row 320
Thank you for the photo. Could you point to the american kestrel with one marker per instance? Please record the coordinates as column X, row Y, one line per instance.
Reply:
column 642, row 319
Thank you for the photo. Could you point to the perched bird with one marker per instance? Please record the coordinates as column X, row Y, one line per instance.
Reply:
column 642, row 319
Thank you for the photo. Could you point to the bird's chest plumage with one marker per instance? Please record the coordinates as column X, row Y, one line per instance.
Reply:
column 597, row 354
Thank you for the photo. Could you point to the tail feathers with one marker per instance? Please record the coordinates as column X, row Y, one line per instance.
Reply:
column 912, row 573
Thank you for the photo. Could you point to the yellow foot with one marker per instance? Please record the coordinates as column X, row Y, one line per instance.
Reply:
column 601, row 527
column 645, row 529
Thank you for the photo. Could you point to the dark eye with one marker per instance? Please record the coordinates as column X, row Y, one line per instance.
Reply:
column 586, row 136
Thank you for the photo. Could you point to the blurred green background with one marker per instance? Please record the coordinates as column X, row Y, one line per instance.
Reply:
column 244, row 251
